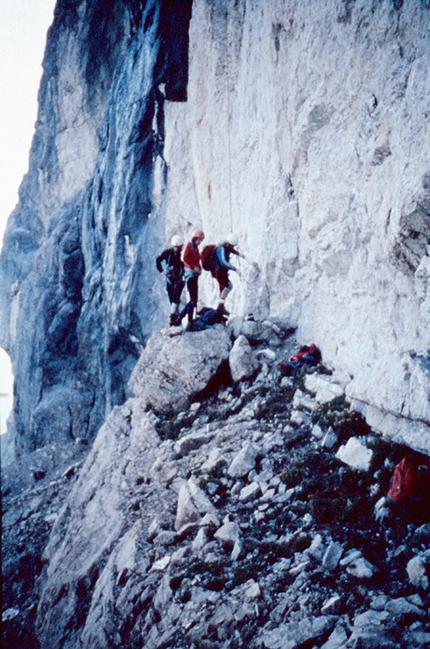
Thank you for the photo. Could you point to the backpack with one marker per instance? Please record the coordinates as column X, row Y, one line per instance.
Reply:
column 410, row 480
column 209, row 258
column 206, row 318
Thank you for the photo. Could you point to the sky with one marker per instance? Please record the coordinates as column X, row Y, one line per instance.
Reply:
column 23, row 28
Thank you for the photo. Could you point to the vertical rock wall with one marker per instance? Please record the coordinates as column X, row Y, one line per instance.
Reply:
column 305, row 133
column 300, row 126
column 77, row 266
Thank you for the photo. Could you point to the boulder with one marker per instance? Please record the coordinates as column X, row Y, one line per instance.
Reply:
column 242, row 360
column 171, row 370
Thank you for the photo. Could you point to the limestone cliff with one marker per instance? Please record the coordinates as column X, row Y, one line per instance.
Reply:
column 300, row 127
column 303, row 127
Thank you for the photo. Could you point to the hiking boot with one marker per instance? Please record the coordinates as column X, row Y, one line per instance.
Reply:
column 175, row 320
column 222, row 310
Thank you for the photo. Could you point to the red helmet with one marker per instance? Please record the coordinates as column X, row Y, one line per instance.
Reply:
column 198, row 234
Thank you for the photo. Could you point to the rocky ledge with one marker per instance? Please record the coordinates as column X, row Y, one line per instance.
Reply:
column 236, row 511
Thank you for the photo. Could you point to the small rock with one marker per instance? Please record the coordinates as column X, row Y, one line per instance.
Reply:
column 186, row 530
column 237, row 549
column 302, row 400
column 332, row 605
column 415, row 599
column 249, row 492
column 191, row 442
column 286, row 382
column 355, row 454
column 350, row 556
column 378, row 604
column 329, row 439
column 361, row 568
column 154, row 528
column 268, row 494
column 253, row 589
column 371, row 618
column 317, row 432
column 161, row 564
column 200, row 540
column 324, row 390
column 229, row 532
column 300, row 418
column 10, row 614
column 243, row 462
column 403, row 608
column 317, row 548
column 268, row 355
column 214, row 461
column 332, row 556
column 210, row 520
column 165, row 537
column 417, row 572
column 296, row 634
column 337, row 639
column 301, row 567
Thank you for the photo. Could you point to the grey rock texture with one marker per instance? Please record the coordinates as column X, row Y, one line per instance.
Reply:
column 223, row 525
column 154, row 120
column 77, row 299
column 173, row 369
column 155, row 500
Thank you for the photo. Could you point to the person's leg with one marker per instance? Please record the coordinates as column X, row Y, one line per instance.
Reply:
column 193, row 290
column 175, row 298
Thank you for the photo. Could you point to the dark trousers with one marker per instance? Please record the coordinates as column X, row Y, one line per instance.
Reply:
column 174, row 290
column 193, row 292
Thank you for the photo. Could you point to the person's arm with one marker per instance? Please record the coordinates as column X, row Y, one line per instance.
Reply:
column 159, row 261
column 220, row 253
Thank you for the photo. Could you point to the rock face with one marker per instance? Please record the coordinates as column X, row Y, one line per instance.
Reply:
column 225, row 525
column 192, row 506
column 171, row 370
column 154, row 121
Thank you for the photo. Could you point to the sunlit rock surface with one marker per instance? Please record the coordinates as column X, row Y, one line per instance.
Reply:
column 303, row 128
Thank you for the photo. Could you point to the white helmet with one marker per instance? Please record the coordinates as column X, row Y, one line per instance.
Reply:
column 177, row 240
column 233, row 239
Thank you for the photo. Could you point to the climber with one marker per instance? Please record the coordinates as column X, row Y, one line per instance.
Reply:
column 170, row 264
column 409, row 492
column 193, row 268
column 216, row 259
column 306, row 356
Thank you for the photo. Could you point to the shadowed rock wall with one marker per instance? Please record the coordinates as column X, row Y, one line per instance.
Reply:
column 77, row 299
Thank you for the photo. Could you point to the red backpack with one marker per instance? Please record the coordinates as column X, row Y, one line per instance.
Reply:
column 209, row 258
column 410, row 480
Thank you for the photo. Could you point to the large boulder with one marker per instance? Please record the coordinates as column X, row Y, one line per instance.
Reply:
column 172, row 369
column 243, row 363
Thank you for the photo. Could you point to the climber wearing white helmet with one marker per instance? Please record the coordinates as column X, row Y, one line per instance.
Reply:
column 222, row 266
column 170, row 264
